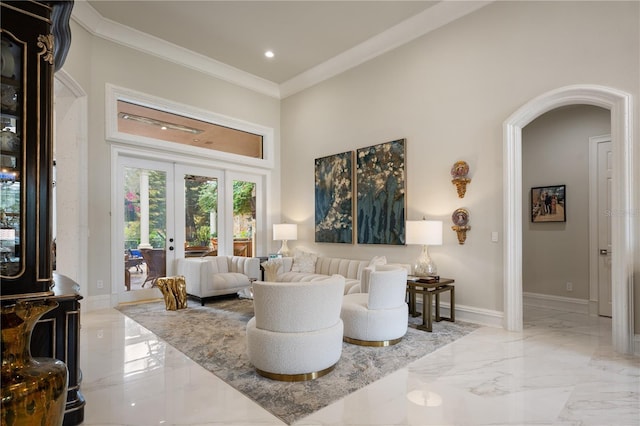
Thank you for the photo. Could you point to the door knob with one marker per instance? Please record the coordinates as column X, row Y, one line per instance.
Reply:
column 604, row 252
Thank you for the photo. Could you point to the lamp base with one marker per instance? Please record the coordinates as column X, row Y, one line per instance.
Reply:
column 284, row 249
column 424, row 266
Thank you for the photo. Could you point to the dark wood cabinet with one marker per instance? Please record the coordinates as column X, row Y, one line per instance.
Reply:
column 26, row 109
column 57, row 335
column 35, row 37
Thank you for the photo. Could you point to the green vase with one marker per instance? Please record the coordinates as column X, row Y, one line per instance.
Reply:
column 34, row 390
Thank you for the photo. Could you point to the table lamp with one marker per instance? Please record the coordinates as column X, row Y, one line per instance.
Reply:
column 285, row 232
column 425, row 233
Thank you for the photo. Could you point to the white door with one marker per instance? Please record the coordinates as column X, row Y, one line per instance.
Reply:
column 144, row 246
column 604, row 171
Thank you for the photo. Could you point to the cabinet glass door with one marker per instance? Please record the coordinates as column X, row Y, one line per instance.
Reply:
column 11, row 157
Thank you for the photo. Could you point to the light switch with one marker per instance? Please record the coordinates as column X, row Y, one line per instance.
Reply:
column 494, row 237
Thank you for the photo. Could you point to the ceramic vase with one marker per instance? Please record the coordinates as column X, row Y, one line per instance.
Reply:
column 34, row 390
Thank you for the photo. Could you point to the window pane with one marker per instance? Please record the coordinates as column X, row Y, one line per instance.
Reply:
column 201, row 215
column 152, row 123
column 244, row 218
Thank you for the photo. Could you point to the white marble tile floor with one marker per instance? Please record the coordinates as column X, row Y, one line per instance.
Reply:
column 561, row 370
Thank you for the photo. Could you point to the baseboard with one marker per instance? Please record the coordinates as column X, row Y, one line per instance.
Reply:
column 470, row 314
column 560, row 303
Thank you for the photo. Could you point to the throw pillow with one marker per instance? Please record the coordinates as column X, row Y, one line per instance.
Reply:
column 378, row 260
column 304, row 261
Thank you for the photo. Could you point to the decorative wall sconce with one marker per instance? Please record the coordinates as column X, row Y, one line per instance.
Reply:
column 459, row 173
column 460, row 218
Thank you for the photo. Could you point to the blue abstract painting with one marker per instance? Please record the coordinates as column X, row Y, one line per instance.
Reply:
column 381, row 201
column 334, row 198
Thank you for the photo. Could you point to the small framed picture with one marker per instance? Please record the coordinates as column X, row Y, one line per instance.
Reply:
column 549, row 204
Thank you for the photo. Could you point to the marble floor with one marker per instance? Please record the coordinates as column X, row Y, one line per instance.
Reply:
column 560, row 370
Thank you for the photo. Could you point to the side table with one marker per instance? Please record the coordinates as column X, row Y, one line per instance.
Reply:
column 428, row 290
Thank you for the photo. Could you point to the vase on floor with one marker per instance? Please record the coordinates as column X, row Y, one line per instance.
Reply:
column 34, row 390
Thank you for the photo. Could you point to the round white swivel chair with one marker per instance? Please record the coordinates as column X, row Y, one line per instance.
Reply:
column 296, row 333
column 380, row 316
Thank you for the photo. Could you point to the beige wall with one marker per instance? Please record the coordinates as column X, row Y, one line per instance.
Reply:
column 96, row 62
column 448, row 94
column 555, row 151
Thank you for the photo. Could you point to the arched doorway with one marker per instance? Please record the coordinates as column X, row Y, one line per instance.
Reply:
column 619, row 103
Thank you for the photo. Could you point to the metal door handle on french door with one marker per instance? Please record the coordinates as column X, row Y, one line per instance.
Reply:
column 605, row 252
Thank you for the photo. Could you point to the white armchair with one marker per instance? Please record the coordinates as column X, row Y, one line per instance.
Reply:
column 380, row 316
column 296, row 333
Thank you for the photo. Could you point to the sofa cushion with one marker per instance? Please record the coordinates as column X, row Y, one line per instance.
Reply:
column 304, row 261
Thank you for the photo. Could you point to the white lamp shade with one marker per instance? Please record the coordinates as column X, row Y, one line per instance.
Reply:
column 285, row 231
column 424, row 232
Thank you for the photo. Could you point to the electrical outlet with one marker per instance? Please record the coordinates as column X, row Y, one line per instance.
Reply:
column 100, row 284
column 569, row 286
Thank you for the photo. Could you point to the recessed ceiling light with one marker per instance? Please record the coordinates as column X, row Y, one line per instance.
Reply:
column 269, row 54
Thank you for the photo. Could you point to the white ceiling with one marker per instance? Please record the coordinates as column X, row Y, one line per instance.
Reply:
column 312, row 40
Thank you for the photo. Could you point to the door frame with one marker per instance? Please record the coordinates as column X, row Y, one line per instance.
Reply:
column 623, row 238
column 594, row 212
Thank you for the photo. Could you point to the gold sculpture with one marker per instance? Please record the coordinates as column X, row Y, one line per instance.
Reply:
column 459, row 173
column 174, row 291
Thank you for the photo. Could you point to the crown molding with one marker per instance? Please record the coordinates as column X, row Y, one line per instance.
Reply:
column 404, row 32
column 87, row 17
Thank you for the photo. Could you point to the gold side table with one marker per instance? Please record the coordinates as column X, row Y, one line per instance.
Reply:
column 428, row 290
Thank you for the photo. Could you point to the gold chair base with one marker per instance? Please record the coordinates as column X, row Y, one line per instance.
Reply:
column 295, row 377
column 376, row 343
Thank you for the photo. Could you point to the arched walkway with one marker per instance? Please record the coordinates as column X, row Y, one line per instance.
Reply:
column 620, row 105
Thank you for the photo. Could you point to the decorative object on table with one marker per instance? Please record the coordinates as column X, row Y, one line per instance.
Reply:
column 459, row 173
column 334, row 198
column 381, row 193
column 34, row 390
column 425, row 233
column 548, row 204
column 174, row 291
column 460, row 218
column 285, row 232
column 270, row 268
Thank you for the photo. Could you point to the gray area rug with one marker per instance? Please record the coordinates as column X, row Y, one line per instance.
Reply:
column 214, row 336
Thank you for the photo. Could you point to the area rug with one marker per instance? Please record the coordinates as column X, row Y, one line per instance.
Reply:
column 214, row 336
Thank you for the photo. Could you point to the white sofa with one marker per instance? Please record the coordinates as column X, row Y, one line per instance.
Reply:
column 217, row 275
column 324, row 267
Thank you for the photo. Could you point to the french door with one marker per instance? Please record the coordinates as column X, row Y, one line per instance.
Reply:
column 144, row 243
column 171, row 210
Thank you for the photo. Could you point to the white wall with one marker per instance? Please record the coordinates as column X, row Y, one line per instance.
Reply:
column 555, row 151
column 448, row 94
column 94, row 62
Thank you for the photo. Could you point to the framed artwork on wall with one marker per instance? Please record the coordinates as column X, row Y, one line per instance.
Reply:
column 334, row 198
column 548, row 204
column 381, row 193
